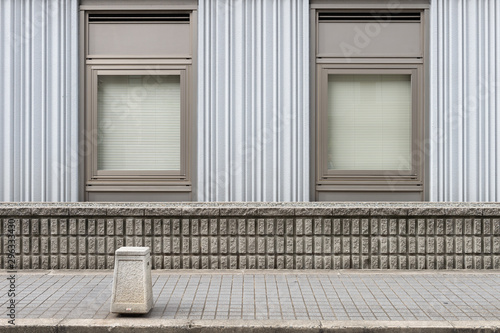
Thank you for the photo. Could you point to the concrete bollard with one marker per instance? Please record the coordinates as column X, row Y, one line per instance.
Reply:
column 132, row 286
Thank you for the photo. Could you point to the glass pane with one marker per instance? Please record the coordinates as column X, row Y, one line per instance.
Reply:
column 139, row 122
column 369, row 122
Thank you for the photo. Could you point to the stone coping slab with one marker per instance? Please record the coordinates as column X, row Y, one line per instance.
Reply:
column 251, row 209
column 128, row 324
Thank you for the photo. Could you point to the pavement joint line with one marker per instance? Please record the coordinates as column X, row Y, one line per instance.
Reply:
column 170, row 295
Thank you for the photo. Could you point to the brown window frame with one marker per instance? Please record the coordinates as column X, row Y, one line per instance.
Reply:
column 368, row 185
column 139, row 175
column 368, row 175
column 137, row 185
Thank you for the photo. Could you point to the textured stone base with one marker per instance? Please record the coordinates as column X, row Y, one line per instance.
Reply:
column 132, row 285
column 255, row 235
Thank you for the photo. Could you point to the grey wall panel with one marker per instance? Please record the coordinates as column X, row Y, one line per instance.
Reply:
column 38, row 100
column 253, row 103
column 465, row 100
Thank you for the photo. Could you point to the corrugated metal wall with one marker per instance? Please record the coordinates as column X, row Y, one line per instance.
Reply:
column 465, row 100
column 253, row 100
column 38, row 100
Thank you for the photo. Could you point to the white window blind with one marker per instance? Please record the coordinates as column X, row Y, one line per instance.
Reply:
column 369, row 122
column 139, row 122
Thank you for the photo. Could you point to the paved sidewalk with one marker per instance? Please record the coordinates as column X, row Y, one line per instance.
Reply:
column 268, row 295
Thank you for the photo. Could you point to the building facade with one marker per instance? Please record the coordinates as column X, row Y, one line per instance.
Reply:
column 249, row 100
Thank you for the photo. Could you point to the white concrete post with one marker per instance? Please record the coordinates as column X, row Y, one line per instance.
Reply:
column 132, row 286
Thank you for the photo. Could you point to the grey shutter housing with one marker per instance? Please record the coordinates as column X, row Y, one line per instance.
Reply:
column 146, row 35
column 368, row 34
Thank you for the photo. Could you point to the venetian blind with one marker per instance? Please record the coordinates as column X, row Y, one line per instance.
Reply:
column 369, row 122
column 139, row 122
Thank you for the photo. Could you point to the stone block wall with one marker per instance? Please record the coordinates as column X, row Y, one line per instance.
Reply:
column 254, row 236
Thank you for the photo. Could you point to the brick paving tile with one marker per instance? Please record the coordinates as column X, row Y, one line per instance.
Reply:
column 282, row 295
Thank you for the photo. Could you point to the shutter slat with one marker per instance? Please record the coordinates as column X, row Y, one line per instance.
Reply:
column 369, row 16
column 140, row 17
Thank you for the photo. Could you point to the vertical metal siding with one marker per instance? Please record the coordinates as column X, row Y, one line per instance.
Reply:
column 38, row 100
column 465, row 100
column 253, row 103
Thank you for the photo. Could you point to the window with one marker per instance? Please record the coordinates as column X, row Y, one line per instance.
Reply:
column 139, row 122
column 369, row 101
column 138, row 101
column 368, row 122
